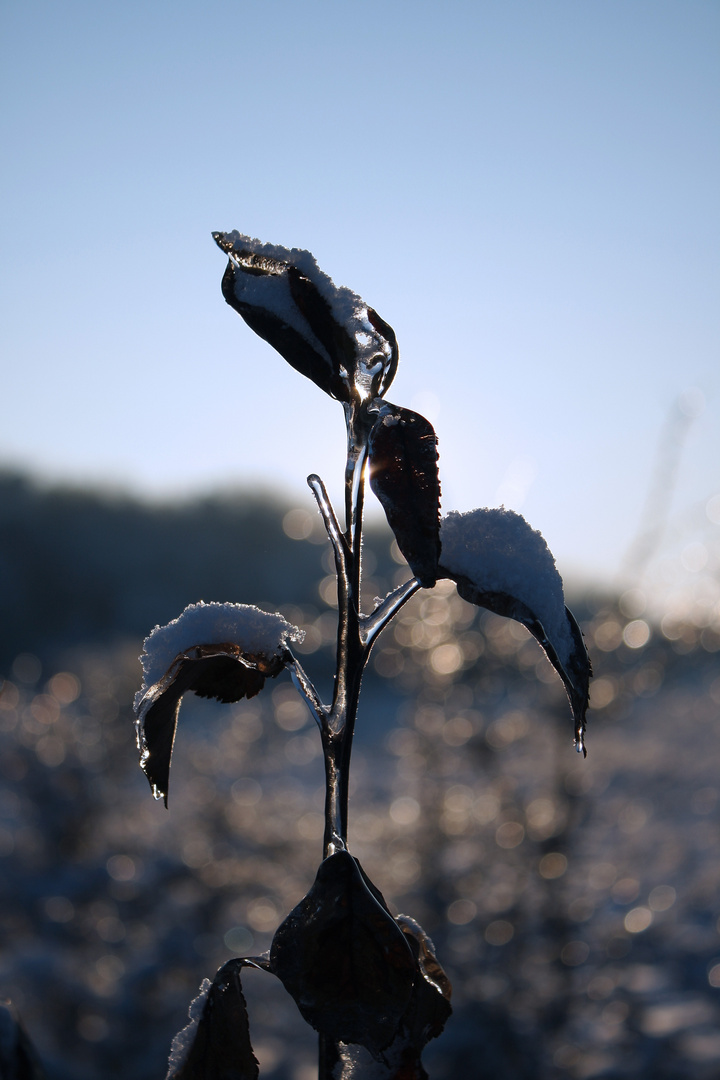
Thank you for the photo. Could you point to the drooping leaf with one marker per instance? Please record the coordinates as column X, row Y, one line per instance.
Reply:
column 402, row 457
column 240, row 646
column 344, row 959
column 500, row 563
column 216, row 1043
column 326, row 333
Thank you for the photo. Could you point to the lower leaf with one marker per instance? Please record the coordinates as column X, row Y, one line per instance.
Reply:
column 216, row 1043
column 343, row 958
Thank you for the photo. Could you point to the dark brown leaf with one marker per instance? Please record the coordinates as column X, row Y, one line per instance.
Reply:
column 219, row 1039
column 404, row 476
column 344, row 960
column 211, row 671
column 424, row 1018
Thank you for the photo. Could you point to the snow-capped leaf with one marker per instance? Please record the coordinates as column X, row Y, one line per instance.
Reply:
column 500, row 563
column 344, row 959
column 327, row 333
column 402, row 457
column 221, row 651
column 215, row 1045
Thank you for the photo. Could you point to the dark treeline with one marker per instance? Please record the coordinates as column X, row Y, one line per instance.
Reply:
column 81, row 567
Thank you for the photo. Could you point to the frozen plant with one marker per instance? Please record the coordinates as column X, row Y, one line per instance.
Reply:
column 367, row 981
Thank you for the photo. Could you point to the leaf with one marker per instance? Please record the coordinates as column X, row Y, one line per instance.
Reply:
column 343, row 958
column 211, row 671
column 216, row 1043
column 500, row 563
column 424, row 1018
column 402, row 456
column 241, row 646
column 302, row 350
column 326, row 333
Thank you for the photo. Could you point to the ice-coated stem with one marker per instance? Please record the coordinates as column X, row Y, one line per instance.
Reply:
column 337, row 723
column 306, row 690
column 371, row 625
column 356, row 632
column 331, row 522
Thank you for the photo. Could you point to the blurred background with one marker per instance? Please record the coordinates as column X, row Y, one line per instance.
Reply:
column 527, row 192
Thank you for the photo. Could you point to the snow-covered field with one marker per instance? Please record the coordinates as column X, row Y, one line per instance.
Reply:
column 574, row 904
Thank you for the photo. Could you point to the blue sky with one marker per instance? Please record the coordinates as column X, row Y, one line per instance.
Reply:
column 526, row 191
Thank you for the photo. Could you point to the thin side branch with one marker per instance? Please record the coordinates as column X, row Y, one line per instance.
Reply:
column 331, row 522
column 371, row 625
column 307, row 690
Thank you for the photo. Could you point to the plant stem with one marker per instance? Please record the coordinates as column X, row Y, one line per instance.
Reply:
column 356, row 632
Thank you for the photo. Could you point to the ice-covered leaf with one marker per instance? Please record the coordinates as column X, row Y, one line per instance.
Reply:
column 344, row 959
column 221, row 651
column 402, row 456
column 500, row 563
column 327, row 333
column 215, row 1045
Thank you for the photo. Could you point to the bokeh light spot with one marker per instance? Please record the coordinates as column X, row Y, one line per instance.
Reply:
column 553, row 865
column 239, row 940
column 297, row 524
column 446, row 659
column 510, row 834
column 638, row 919
column 461, row 912
column 662, row 898
column 499, row 932
column 405, row 810
column 636, row 634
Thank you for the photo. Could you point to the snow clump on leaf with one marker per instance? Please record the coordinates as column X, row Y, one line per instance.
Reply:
column 254, row 632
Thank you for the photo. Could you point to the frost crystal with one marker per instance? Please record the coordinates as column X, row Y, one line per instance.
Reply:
column 182, row 1042
column 254, row 631
column 500, row 553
